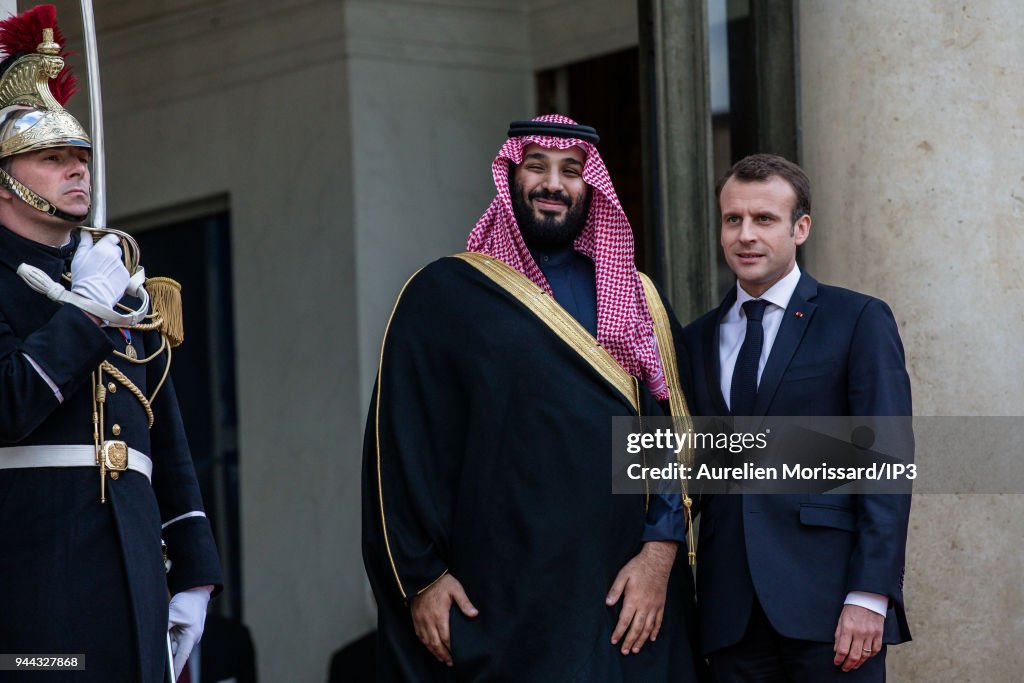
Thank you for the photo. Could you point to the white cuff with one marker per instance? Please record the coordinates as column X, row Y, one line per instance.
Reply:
column 46, row 378
column 875, row 602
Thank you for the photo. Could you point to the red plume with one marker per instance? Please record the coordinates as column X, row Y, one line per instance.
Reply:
column 22, row 33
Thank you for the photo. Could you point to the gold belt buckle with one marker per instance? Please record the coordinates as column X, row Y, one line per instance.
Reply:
column 115, row 456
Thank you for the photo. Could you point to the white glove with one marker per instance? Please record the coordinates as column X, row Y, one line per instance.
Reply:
column 97, row 272
column 186, row 616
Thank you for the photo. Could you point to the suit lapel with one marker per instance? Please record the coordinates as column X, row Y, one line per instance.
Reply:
column 795, row 320
column 712, row 364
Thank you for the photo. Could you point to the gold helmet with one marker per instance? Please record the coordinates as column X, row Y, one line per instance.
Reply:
column 35, row 83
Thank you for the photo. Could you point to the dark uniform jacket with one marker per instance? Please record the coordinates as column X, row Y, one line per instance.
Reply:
column 78, row 576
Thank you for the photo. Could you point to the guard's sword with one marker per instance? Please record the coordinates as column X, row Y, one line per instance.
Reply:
column 170, row 659
column 132, row 257
column 99, row 167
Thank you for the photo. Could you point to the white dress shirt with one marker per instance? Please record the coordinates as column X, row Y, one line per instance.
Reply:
column 734, row 327
column 732, row 331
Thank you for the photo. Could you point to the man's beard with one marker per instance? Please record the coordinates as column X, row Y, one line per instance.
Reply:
column 549, row 232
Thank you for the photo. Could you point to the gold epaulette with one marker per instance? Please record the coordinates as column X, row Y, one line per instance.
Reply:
column 165, row 302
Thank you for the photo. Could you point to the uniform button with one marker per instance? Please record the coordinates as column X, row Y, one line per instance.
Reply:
column 116, row 430
column 111, row 387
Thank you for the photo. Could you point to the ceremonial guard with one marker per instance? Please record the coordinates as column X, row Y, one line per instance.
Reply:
column 104, row 544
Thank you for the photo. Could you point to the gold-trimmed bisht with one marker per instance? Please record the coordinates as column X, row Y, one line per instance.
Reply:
column 676, row 398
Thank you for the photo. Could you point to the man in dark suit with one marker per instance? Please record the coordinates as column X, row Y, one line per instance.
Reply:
column 795, row 587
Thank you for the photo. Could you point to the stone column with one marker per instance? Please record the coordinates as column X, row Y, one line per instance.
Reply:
column 913, row 136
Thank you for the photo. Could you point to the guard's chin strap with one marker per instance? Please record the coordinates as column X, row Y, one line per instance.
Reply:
column 34, row 200
column 41, row 282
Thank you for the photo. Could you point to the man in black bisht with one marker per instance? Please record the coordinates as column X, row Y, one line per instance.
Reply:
column 492, row 540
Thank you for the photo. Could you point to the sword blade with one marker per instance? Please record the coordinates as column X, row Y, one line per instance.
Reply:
column 99, row 173
column 170, row 660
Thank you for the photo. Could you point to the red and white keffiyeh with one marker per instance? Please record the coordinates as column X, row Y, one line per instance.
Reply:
column 624, row 325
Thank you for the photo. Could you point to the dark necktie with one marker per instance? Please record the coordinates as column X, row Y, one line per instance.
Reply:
column 744, row 375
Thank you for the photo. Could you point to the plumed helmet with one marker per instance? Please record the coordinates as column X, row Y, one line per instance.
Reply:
column 35, row 83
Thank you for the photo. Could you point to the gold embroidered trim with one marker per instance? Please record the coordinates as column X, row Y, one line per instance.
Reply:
column 376, row 434
column 676, row 398
column 422, row 590
column 559, row 320
column 666, row 349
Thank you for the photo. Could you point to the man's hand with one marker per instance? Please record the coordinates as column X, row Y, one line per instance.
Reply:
column 186, row 616
column 430, row 610
column 858, row 636
column 644, row 581
column 97, row 272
